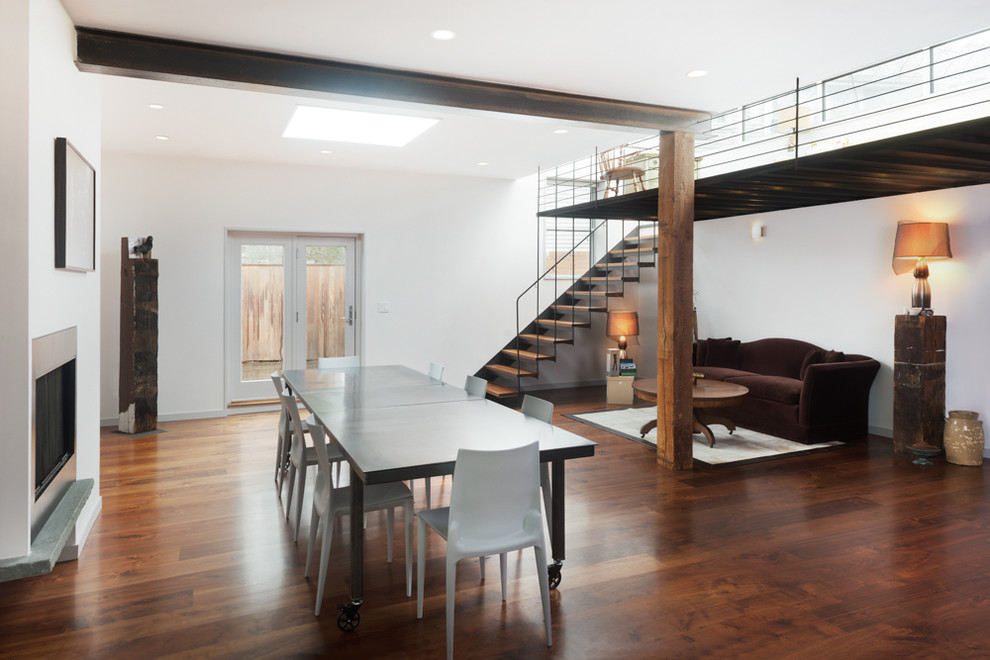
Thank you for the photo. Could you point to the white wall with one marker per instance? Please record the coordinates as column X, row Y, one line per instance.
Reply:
column 449, row 254
column 823, row 274
column 48, row 98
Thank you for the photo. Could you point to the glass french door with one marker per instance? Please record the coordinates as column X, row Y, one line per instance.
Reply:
column 290, row 301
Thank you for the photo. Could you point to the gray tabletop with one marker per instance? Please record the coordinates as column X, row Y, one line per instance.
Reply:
column 393, row 423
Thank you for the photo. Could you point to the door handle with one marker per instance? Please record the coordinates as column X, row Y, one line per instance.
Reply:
column 350, row 315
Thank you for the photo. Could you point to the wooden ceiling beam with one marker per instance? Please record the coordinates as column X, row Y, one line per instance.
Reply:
column 139, row 56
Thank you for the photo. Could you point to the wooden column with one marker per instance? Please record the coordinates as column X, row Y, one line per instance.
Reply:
column 138, row 390
column 919, row 381
column 675, row 276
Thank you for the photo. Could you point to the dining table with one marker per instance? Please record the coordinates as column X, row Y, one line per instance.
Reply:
column 393, row 423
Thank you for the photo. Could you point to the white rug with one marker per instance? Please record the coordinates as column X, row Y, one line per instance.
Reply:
column 741, row 446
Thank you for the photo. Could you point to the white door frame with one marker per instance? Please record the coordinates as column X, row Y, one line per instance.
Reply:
column 293, row 300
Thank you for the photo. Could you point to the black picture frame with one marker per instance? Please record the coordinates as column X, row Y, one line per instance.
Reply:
column 75, row 209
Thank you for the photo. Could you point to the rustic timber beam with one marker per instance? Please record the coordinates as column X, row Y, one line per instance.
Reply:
column 118, row 53
column 675, row 277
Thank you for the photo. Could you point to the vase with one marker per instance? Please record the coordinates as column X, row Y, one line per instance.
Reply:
column 963, row 438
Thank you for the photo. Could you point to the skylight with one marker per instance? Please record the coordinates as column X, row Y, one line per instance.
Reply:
column 329, row 124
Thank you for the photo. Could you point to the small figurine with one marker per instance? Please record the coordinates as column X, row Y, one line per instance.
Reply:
column 143, row 248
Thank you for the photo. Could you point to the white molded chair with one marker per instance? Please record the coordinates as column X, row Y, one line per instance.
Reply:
column 284, row 429
column 494, row 509
column 338, row 362
column 476, row 386
column 543, row 411
column 301, row 456
column 435, row 372
column 330, row 503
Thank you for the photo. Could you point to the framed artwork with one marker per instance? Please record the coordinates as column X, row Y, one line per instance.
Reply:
column 75, row 209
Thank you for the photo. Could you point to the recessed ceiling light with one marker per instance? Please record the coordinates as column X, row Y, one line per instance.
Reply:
column 561, row 131
column 161, row 137
column 155, row 106
column 313, row 123
column 442, row 35
column 697, row 73
column 325, row 151
column 482, row 164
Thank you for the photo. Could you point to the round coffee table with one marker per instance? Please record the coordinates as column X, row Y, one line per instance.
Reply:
column 705, row 395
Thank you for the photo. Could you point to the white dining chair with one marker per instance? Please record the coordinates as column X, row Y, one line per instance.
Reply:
column 284, row 433
column 330, row 503
column 301, row 456
column 494, row 509
column 435, row 372
column 476, row 386
column 543, row 411
column 345, row 362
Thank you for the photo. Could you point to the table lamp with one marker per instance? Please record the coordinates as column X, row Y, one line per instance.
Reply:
column 620, row 325
column 915, row 244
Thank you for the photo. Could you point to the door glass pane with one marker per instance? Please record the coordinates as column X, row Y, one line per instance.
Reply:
column 262, row 289
column 326, row 313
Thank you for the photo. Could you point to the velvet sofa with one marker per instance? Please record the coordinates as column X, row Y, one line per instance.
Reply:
column 797, row 390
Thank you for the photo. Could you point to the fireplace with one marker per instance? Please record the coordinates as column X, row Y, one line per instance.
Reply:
column 53, row 465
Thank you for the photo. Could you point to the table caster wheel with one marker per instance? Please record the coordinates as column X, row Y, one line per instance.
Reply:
column 349, row 617
column 553, row 573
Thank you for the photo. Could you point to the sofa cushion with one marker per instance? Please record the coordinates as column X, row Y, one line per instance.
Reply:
column 834, row 356
column 814, row 356
column 775, row 388
column 722, row 353
column 700, row 352
column 721, row 373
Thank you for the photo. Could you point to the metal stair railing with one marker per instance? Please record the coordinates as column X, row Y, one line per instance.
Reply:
column 604, row 262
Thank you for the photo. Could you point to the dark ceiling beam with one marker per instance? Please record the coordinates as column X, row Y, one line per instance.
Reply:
column 118, row 53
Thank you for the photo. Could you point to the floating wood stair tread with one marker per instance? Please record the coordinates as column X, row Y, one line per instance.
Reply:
column 596, row 294
column 500, row 391
column 509, row 370
column 546, row 339
column 564, row 323
column 636, row 250
column 613, row 278
column 526, row 355
column 579, row 308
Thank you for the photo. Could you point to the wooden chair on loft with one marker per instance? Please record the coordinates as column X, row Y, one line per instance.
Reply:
column 614, row 166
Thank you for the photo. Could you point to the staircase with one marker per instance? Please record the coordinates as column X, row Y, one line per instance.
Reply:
column 518, row 363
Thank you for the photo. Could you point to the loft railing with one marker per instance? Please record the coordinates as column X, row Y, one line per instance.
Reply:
column 937, row 86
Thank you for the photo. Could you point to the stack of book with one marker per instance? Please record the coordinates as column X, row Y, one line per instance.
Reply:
column 627, row 367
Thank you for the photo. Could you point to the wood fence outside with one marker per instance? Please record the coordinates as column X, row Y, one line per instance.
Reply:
column 262, row 310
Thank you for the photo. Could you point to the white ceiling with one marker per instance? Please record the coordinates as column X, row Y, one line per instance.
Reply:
column 623, row 49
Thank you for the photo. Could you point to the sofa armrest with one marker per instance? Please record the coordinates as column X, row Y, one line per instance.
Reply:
column 835, row 392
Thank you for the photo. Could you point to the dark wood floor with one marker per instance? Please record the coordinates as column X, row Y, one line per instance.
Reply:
column 852, row 553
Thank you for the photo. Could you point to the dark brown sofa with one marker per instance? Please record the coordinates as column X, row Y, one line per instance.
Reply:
column 797, row 390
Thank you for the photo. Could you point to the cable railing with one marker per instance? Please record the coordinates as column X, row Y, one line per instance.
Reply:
column 945, row 84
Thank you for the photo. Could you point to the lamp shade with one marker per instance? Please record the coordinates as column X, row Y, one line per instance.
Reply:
column 919, row 240
column 622, row 324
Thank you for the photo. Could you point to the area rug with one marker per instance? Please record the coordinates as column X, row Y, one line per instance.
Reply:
column 741, row 446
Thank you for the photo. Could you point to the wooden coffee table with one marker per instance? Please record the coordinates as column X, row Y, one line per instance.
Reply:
column 705, row 395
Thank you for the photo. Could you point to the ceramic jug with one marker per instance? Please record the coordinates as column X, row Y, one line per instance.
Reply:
column 963, row 438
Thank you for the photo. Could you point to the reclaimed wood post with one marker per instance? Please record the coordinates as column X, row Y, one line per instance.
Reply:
column 919, row 381
column 675, row 302
column 138, row 393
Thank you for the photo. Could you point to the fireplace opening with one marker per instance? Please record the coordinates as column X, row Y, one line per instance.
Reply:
column 55, row 424
column 53, row 432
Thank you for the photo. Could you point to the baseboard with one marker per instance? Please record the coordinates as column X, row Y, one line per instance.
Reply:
column 175, row 417
column 881, row 431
